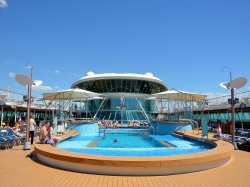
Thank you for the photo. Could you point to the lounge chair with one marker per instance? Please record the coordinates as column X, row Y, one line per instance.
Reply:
column 4, row 135
column 3, row 143
column 17, row 139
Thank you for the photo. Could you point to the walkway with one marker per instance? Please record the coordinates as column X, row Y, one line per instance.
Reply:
column 18, row 169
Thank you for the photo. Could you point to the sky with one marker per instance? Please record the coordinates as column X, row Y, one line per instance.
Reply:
column 186, row 44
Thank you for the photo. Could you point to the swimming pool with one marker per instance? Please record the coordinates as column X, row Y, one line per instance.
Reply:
column 89, row 152
column 131, row 142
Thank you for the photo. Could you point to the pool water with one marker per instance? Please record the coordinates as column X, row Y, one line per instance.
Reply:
column 131, row 142
column 128, row 139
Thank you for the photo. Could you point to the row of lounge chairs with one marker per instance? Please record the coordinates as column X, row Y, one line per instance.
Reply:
column 241, row 137
column 8, row 138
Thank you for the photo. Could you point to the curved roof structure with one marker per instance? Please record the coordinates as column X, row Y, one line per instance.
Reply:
column 91, row 76
column 71, row 94
column 177, row 95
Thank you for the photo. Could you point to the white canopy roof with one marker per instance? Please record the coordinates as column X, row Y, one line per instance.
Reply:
column 178, row 95
column 71, row 94
column 91, row 76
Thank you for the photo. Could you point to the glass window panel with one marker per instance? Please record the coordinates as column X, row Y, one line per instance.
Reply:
column 113, row 85
column 146, row 87
column 133, row 87
column 142, row 86
column 99, row 86
column 112, row 116
column 118, row 115
column 95, row 86
column 128, row 86
column 124, row 85
column 104, row 86
column 124, row 115
column 106, row 83
column 134, row 116
column 119, row 85
column 137, row 87
column 108, row 86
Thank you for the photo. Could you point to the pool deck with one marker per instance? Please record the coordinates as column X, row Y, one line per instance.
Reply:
column 18, row 169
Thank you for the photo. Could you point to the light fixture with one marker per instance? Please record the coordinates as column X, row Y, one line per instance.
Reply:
column 233, row 84
column 26, row 81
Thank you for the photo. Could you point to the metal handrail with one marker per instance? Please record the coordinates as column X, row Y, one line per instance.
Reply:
column 192, row 122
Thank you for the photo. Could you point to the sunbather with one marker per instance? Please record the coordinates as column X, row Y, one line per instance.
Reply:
column 16, row 132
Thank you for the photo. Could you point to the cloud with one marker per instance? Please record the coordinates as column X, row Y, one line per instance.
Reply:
column 27, row 66
column 57, row 72
column 41, row 88
column 11, row 74
column 3, row 3
column 56, row 87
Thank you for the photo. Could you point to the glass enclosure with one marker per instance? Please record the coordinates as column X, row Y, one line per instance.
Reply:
column 122, row 85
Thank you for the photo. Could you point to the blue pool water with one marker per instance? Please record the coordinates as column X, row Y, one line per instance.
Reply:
column 128, row 138
column 131, row 142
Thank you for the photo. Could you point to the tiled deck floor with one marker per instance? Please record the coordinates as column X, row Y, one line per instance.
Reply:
column 16, row 169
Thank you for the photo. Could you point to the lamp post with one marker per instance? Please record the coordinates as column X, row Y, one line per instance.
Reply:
column 232, row 105
column 232, row 117
column 26, row 81
column 233, row 84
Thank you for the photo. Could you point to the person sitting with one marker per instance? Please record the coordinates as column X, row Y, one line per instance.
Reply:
column 218, row 133
column 72, row 120
column 54, row 138
column 17, row 133
column 43, row 135
column 19, row 121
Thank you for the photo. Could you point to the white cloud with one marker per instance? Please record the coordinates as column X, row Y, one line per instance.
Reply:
column 28, row 67
column 57, row 87
column 3, row 3
column 57, row 72
column 54, row 71
column 41, row 88
column 11, row 74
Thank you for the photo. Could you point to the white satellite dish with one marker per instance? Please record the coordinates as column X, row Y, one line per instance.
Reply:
column 37, row 82
column 224, row 85
column 24, row 79
column 238, row 82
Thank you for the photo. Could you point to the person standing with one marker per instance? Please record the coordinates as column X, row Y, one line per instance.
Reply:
column 32, row 129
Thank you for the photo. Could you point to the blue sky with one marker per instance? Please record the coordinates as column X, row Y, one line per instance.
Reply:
column 184, row 43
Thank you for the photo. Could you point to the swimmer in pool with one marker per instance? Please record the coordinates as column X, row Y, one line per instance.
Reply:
column 115, row 140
